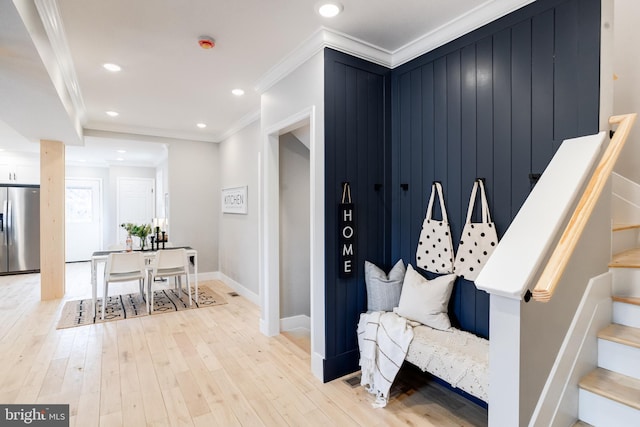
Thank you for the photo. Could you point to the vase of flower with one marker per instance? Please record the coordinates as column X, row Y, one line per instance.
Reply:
column 140, row 231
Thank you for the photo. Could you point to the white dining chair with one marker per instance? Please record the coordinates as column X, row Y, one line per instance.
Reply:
column 169, row 263
column 123, row 267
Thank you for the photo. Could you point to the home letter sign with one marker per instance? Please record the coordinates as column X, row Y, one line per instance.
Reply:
column 347, row 233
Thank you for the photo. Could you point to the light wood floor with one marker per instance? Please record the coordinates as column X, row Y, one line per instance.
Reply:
column 203, row 367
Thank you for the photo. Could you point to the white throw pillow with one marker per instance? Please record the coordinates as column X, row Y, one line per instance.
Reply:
column 426, row 301
column 383, row 292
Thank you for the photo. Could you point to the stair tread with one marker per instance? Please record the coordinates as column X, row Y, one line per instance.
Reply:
column 627, row 300
column 622, row 227
column 621, row 334
column 614, row 386
column 581, row 424
column 626, row 259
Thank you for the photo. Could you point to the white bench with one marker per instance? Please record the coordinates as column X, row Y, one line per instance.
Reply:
column 457, row 357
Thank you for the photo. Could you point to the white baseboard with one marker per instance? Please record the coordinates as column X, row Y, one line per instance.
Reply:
column 238, row 287
column 317, row 366
column 207, row 275
column 295, row 322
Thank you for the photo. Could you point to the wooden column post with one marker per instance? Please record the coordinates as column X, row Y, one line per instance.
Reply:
column 52, row 220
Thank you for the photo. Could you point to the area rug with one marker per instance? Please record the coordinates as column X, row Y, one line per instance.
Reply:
column 127, row 306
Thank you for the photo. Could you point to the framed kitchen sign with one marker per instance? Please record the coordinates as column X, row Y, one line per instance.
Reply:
column 234, row 200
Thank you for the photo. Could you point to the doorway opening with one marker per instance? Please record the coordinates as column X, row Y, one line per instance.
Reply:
column 295, row 240
column 285, row 286
column 83, row 216
column 135, row 203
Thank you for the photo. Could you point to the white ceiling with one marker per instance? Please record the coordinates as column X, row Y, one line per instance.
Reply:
column 168, row 83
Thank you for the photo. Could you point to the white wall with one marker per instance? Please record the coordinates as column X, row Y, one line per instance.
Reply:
column 295, row 286
column 297, row 97
column 627, row 84
column 238, row 240
column 194, row 199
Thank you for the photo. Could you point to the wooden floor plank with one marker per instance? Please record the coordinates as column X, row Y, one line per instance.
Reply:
column 204, row 367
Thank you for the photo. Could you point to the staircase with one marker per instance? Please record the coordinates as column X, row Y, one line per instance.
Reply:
column 610, row 394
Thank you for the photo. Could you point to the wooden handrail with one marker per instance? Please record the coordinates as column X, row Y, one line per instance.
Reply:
column 563, row 251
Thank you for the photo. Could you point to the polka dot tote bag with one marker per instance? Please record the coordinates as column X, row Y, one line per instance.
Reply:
column 478, row 239
column 435, row 250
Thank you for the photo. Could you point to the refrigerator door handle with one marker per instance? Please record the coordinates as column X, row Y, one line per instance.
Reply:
column 9, row 221
column 4, row 217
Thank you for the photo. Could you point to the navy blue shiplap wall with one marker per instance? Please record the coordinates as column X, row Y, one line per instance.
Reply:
column 357, row 150
column 496, row 104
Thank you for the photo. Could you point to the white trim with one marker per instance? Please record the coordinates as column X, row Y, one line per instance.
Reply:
column 236, row 286
column 53, row 26
column 325, row 37
column 270, row 232
column 320, row 39
column 475, row 18
column 142, row 131
column 238, row 126
column 300, row 321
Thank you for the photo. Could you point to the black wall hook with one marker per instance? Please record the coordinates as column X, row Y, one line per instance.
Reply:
column 377, row 187
column 405, row 187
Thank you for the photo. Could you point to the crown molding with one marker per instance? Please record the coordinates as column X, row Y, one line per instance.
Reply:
column 64, row 69
column 152, row 134
column 320, row 39
column 239, row 125
column 475, row 18
column 92, row 128
column 325, row 37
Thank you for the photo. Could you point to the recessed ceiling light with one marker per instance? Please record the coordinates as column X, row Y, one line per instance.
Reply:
column 119, row 159
column 201, row 125
column 112, row 67
column 112, row 113
column 237, row 92
column 329, row 9
column 121, row 151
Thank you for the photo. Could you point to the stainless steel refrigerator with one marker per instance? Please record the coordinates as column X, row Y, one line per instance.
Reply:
column 19, row 229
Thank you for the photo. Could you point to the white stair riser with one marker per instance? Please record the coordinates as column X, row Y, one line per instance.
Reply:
column 619, row 358
column 626, row 314
column 624, row 240
column 602, row 412
column 626, row 281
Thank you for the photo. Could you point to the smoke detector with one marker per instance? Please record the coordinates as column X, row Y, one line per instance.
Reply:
column 206, row 42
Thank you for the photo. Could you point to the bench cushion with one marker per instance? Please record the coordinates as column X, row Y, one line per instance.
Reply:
column 457, row 357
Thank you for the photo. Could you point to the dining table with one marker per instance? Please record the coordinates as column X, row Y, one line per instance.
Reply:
column 100, row 257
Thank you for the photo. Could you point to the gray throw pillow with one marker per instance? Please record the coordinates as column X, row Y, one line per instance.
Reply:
column 383, row 291
column 426, row 301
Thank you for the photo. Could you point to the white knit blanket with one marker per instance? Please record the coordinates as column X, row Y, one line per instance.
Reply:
column 383, row 338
